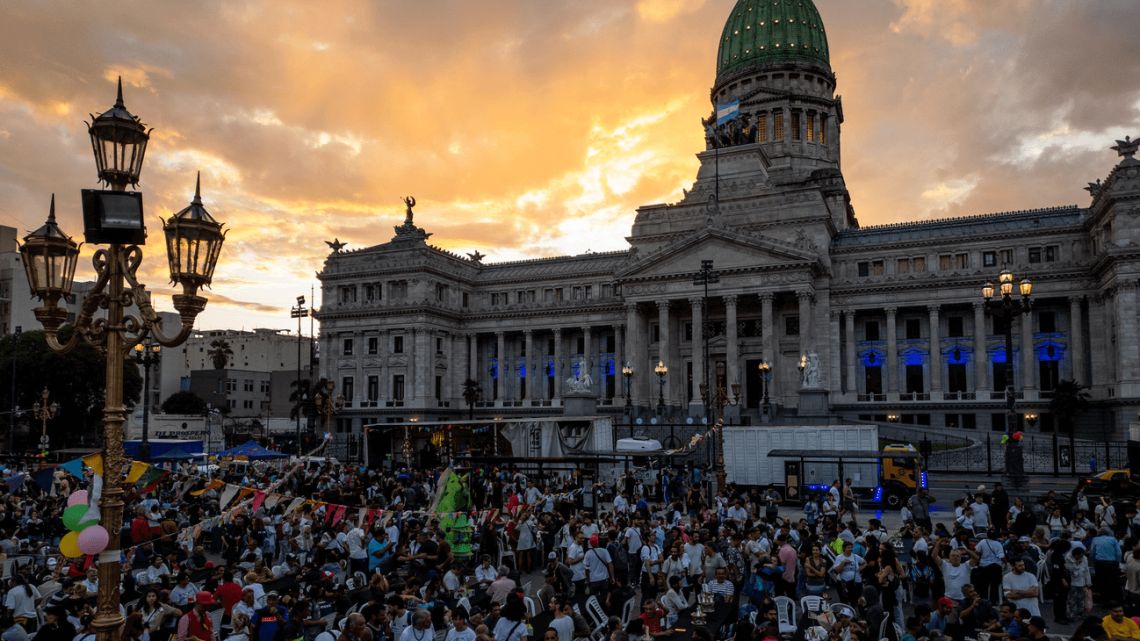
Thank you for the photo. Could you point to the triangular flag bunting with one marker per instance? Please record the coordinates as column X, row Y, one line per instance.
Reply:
column 136, row 471
column 95, row 462
column 258, row 499
column 74, row 467
column 294, row 506
column 338, row 514
column 212, row 485
column 228, row 495
column 272, row 500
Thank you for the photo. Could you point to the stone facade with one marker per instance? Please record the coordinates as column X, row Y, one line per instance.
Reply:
column 404, row 323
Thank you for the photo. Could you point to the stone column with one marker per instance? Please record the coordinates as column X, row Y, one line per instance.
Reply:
column 473, row 356
column 500, row 360
column 732, row 353
column 663, row 353
column 634, row 354
column 935, row 353
column 981, row 358
column 1076, row 342
column 1128, row 373
column 557, row 363
column 768, row 340
column 410, row 388
column 528, row 341
column 891, row 367
column 805, row 321
column 698, row 355
column 383, row 393
column 619, row 360
column 1099, row 346
column 1028, row 357
column 588, row 355
column 852, row 386
column 836, row 382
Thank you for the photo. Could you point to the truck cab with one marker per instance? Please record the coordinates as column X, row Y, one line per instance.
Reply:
column 901, row 477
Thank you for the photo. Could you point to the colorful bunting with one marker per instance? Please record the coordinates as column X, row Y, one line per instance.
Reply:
column 95, row 462
column 73, row 467
column 138, row 468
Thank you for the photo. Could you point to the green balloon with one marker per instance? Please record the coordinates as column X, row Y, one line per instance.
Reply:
column 73, row 518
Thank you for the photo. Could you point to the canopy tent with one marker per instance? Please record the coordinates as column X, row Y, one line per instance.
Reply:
column 175, row 454
column 251, row 450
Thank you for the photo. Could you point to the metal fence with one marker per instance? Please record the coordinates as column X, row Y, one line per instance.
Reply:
column 1042, row 456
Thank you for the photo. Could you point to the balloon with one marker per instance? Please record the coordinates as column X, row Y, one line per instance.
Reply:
column 73, row 518
column 69, row 545
column 78, row 497
column 1017, row 436
column 93, row 540
column 1004, row 439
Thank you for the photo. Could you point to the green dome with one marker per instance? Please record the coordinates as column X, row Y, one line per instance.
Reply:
column 767, row 31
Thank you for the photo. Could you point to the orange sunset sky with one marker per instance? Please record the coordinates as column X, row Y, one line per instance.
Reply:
column 529, row 127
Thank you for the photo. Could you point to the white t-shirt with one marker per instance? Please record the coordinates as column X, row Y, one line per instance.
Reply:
column 507, row 630
column 20, row 603
column 953, row 578
column 356, row 549
column 460, row 635
column 981, row 516
column 410, row 633
column 1024, row 581
column 597, row 564
column 564, row 626
column 577, row 570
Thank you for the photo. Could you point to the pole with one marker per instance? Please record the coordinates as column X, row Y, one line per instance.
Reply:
column 299, row 385
column 1056, row 453
column 144, row 448
column 12, row 405
column 108, row 620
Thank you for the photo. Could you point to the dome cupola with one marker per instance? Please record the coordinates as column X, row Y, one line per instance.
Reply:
column 762, row 32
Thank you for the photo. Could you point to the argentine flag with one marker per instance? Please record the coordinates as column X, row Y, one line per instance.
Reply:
column 727, row 111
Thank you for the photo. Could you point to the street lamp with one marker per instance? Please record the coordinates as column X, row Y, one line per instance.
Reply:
column 765, row 378
column 43, row 412
column 193, row 242
column 627, row 374
column 892, row 418
column 1006, row 308
column 299, row 312
column 661, row 370
column 326, row 404
column 147, row 353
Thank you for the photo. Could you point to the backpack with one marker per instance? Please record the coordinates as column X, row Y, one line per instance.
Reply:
column 620, row 556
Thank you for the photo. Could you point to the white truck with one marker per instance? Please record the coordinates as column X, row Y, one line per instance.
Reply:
column 747, row 461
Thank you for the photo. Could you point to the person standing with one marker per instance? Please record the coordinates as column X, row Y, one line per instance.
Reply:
column 1106, row 555
column 919, row 506
column 991, row 556
column 196, row 625
column 1022, row 588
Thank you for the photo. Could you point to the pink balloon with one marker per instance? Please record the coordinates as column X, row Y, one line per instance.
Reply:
column 78, row 497
column 93, row 540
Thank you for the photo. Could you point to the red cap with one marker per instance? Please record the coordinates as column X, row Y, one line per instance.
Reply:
column 947, row 601
column 204, row 598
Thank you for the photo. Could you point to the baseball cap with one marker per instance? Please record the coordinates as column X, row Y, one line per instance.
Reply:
column 846, row 612
column 947, row 601
column 1023, row 539
column 204, row 598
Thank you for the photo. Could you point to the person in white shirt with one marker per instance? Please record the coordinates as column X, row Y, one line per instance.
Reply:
column 460, row 631
column 621, row 505
column 181, row 594
column 575, row 557
column 846, row 569
column 1021, row 587
column 485, row 573
column 155, row 571
column 955, row 573
column 420, row 629
column 674, row 602
column 981, row 514
column 357, row 550
column 562, row 623
column 677, row 565
column 650, row 566
column 599, row 567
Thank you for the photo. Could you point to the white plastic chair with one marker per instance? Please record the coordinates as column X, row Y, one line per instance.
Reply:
column 786, row 611
column 596, row 614
column 216, row 618
column 531, row 609
column 465, row 603
column 505, row 552
column 628, row 610
column 811, row 603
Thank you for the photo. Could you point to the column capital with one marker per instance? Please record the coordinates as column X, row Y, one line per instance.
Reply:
column 498, row 333
column 630, row 306
column 849, row 312
column 891, row 311
column 729, row 299
column 804, row 293
column 1076, row 299
column 833, row 314
column 766, row 297
column 697, row 301
column 979, row 304
column 663, row 304
column 933, row 309
column 585, row 329
column 557, row 331
column 528, row 332
column 1127, row 285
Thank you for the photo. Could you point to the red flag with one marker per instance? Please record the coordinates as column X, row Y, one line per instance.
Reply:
column 258, row 499
column 338, row 514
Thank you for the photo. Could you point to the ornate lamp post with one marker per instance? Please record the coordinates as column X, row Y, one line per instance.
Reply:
column 327, row 405
column 661, row 370
column 299, row 312
column 1006, row 308
column 147, row 354
column 765, row 378
column 43, row 412
column 114, row 217
column 627, row 374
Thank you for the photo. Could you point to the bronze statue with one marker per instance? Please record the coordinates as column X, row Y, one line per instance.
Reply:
column 410, row 202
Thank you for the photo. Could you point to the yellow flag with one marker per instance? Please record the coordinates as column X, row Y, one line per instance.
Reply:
column 138, row 468
column 95, row 462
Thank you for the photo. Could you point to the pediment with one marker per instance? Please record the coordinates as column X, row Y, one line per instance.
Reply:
column 730, row 250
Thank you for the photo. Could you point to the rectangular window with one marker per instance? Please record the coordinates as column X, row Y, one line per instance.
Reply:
column 796, row 135
column 558, row 294
column 232, row 403
column 903, row 266
column 580, row 345
column 989, row 259
column 346, row 388
column 961, row 261
column 247, row 404
column 762, row 128
column 871, row 330
column 655, row 332
column 398, row 387
column 791, row 326
column 1046, row 322
column 439, row 346
column 778, row 126
column 688, row 332
column 955, row 326
column 576, row 293
column 588, row 291
column 441, row 293
column 873, row 380
column 231, row 384
column 247, row 385
column 1034, row 254
column 264, row 387
column 913, row 328
column 1006, row 256
column 877, row 268
column 1050, row 374
column 914, row 379
column 864, row 269
column 822, row 129
column 373, row 345
column 956, row 377
column 397, row 344
column 347, row 347
column 811, row 127
column 373, row 388
column 607, row 290
column 945, row 262
column 918, row 264
column 438, row 388
column 1051, row 253
column 494, row 298
column 998, row 377
column 466, row 299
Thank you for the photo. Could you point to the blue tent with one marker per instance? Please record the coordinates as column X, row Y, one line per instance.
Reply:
column 251, row 450
column 175, row 454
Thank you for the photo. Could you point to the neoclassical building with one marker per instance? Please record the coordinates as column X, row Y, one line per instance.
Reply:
column 893, row 313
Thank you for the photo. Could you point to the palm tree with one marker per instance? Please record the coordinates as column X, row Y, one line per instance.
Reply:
column 301, row 398
column 1070, row 398
column 471, row 395
column 220, row 352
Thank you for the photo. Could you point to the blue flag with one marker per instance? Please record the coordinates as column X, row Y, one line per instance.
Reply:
column 73, row 467
column 727, row 112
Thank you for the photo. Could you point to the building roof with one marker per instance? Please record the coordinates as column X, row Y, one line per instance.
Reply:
column 760, row 32
column 966, row 226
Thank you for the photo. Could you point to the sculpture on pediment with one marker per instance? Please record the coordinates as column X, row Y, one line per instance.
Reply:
column 581, row 382
column 1126, row 148
column 810, row 377
column 476, row 257
column 1094, row 188
column 335, row 245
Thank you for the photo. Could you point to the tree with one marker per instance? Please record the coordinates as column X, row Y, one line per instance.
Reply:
column 220, row 352
column 471, row 395
column 1070, row 399
column 302, row 399
column 184, row 403
column 76, row 380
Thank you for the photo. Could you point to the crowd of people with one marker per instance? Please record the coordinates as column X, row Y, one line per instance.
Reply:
column 551, row 562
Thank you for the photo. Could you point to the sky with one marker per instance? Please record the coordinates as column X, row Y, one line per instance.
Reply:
column 527, row 128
